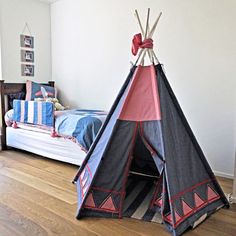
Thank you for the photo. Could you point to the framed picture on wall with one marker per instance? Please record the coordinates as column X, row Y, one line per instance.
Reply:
column 26, row 41
column 27, row 56
column 27, row 70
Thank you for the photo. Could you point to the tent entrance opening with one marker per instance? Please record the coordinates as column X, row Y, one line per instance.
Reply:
column 142, row 180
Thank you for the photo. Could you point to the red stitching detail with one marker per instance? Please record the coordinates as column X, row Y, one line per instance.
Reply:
column 189, row 189
column 106, row 190
column 193, row 211
column 90, row 173
column 166, row 219
column 146, row 143
column 99, row 209
column 196, row 209
column 81, row 188
column 104, row 202
column 157, row 202
column 156, row 191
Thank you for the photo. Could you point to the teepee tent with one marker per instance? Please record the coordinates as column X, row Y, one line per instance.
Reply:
column 145, row 162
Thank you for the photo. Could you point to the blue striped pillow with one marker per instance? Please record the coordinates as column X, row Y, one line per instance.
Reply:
column 31, row 112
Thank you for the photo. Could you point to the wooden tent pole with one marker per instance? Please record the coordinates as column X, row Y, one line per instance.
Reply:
column 153, row 53
column 150, row 50
column 147, row 23
column 145, row 37
column 147, row 34
column 154, row 26
column 139, row 22
column 139, row 55
column 142, row 32
column 151, row 34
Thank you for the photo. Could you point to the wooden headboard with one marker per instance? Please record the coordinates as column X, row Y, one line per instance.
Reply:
column 5, row 90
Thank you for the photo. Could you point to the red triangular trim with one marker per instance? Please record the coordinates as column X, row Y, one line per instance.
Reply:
column 211, row 193
column 108, row 205
column 89, row 201
column 198, row 200
column 186, row 208
column 159, row 201
column 177, row 216
column 169, row 218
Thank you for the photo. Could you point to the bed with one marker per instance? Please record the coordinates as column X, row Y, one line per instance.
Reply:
column 39, row 141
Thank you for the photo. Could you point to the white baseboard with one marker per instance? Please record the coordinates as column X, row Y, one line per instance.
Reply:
column 223, row 174
column 234, row 199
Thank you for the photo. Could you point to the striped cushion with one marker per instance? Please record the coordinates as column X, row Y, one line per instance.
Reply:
column 31, row 112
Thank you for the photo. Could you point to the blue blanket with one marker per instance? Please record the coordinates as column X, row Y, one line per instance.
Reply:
column 83, row 125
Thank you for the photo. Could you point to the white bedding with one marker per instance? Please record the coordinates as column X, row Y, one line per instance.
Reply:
column 43, row 144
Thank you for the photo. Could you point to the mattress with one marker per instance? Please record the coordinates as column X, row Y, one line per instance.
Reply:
column 43, row 144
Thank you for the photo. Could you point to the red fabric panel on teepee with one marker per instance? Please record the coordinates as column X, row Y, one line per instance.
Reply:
column 211, row 193
column 89, row 201
column 186, row 208
column 198, row 200
column 142, row 102
column 108, row 205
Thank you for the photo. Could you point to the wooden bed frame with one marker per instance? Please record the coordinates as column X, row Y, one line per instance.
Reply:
column 5, row 90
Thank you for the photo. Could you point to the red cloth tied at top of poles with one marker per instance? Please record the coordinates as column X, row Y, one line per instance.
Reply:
column 138, row 43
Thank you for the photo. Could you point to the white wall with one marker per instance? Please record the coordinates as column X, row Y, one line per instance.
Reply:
column 195, row 40
column 0, row 59
column 13, row 16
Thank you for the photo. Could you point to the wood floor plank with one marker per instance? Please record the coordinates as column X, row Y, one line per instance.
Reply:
column 37, row 198
column 60, row 207
column 40, row 185
column 13, row 223
column 7, row 185
column 143, row 228
column 217, row 224
column 226, row 184
column 37, row 161
column 48, row 177
column 52, row 223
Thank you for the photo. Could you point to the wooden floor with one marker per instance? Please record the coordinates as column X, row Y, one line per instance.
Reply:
column 37, row 198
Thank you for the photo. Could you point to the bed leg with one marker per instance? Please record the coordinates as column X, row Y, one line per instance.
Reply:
column 3, row 125
column 3, row 138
